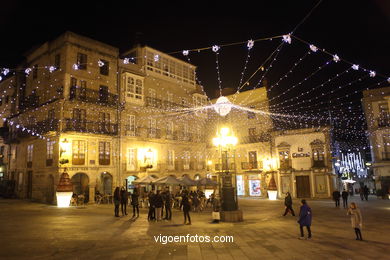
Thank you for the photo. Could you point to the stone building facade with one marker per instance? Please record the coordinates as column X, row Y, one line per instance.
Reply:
column 376, row 108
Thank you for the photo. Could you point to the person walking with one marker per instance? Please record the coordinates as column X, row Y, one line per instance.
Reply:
column 336, row 198
column 361, row 193
column 288, row 204
column 135, row 202
column 168, row 205
column 216, row 214
column 305, row 217
column 124, row 201
column 344, row 195
column 356, row 220
column 366, row 191
column 158, row 204
column 117, row 199
column 151, row 213
column 186, row 204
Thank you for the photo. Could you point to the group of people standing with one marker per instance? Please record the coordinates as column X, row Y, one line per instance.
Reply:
column 305, row 214
column 121, row 197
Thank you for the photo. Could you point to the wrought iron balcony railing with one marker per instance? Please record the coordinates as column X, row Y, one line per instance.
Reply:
column 93, row 96
column 85, row 126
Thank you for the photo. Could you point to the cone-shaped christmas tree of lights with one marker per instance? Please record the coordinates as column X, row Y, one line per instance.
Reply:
column 272, row 189
column 64, row 190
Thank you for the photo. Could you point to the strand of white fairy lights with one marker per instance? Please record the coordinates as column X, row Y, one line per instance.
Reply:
column 360, row 79
column 302, row 81
column 296, row 63
column 311, row 90
column 274, row 54
column 216, row 49
column 249, row 45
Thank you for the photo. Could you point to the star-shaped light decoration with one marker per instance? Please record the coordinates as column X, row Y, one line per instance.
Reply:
column 1, row 78
column 336, row 58
column 126, row 61
column 355, row 67
column 372, row 73
column 313, row 48
column 250, row 44
column 287, row 38
column 215, row 48
column 100, row 63
column 185, row 52
column 75, row 66
column 156, row 58
column 5, row 71
column 388, row 80
column 27, row 71
column 51, row 69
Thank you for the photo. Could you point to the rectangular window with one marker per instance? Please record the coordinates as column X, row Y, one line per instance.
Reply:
column 165, row 66
column 49, row 152
column 386, row 147
column 104, row 70
column 185, row 73
column 78, row 152
column 152, row 127
column 169, row 128
column 57, row 61
column 152, row 98
column 83, row 90
column 134, row 88
column 149, row 61
column 284, row 159
column 131, row 126
column 132, row 159
column 30, row 149
column 186, row 160
column 318, row 157
column 103, row 94
column 104, row 122
column 171, row 159
column 82, row 61
column 179, row 70
column 104, row 153
column 79, row 119
column 35, row 71
column 172, row 70
column 252, row 159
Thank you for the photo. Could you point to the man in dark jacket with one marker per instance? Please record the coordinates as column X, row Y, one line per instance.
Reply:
column 344, row 195
column 168, row 205
column 134, row 202
column 366, row 191
column 288, row 204
column 151, row 215
column 124, row 199
column 336, row 197
column 186, row 204
column 304, row 220
column 158, row 204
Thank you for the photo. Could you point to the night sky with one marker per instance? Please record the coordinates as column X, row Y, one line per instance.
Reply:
column 357, row 31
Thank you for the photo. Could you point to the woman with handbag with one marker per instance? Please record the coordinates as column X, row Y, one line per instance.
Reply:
column 356, row 220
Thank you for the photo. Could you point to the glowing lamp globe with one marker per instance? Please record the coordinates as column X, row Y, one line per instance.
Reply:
column 223, row 106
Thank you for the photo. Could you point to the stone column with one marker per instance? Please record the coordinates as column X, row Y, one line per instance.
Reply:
column 293, row 182
column 312, row 186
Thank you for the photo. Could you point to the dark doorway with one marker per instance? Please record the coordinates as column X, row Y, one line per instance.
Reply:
column 50, row 190
column 303, row 186
column 80, row 183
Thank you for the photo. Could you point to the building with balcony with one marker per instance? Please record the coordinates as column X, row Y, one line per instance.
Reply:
column 376, row 110
column 103, row 117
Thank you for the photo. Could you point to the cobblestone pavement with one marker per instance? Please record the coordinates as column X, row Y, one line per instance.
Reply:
column 37, row 231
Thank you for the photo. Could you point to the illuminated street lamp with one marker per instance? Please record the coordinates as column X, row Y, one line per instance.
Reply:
column 226, row 142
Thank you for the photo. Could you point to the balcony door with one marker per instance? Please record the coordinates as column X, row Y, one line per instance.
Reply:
column 103, row 94
column 79, row 119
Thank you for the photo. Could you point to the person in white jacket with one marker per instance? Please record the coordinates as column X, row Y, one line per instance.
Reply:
column 356, row 220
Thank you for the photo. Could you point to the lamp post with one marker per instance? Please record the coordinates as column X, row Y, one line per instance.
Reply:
column 226, row 142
